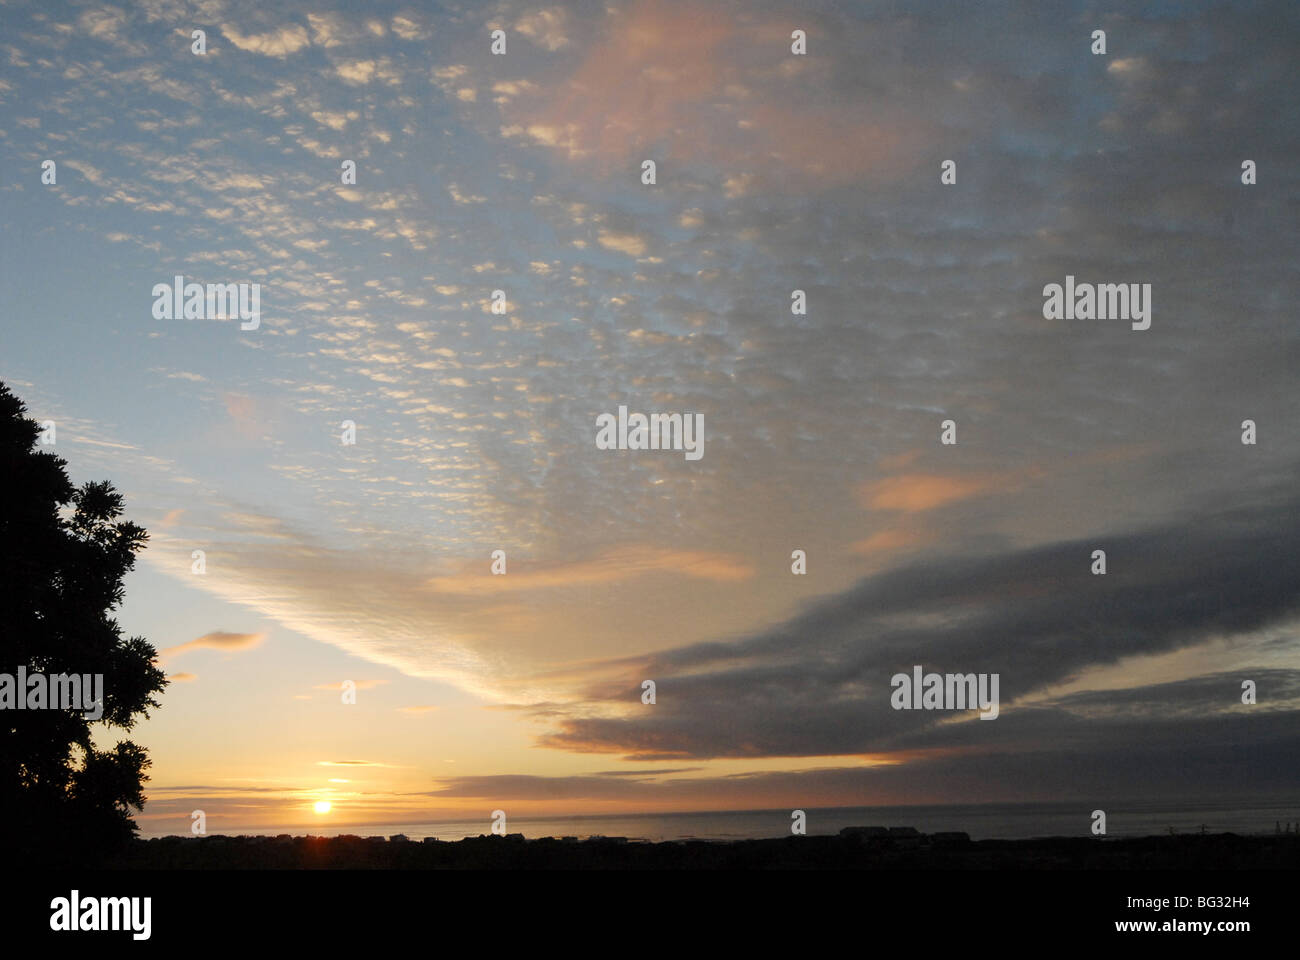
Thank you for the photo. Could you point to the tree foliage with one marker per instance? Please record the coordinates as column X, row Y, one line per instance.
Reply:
column 64, row 553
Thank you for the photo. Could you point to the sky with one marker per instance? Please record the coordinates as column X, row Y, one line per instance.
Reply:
column 475, row 431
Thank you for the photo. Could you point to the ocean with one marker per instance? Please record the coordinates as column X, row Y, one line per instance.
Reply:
column 982, row 821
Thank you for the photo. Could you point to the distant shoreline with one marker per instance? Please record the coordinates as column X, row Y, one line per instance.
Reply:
column 854, row 848
column 1026, row 820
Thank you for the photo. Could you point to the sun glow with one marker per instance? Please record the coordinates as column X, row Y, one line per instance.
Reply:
column 322, row 806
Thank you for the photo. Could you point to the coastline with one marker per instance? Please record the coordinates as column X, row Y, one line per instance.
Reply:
column 863, row 848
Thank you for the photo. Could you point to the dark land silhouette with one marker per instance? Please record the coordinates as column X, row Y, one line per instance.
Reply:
column 898, row 849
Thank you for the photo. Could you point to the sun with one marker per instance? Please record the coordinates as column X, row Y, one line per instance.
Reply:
column 322, row 806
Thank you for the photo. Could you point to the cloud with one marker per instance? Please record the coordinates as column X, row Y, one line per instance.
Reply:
column 363, row 71
column 279, row 43
column 819, row 683
column 1246, row 756
column 357, row 71
column 891, row 540
column 545, row 27
column 218, row 640
column 172, row 517
column 628, row 243
column 109, row 24
column 333, row 30
column 617, row 565
column 406, row 27
column 673, row 79
column 917, row 492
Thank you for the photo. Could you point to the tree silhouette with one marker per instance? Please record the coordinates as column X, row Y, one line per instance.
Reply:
column 63, row 556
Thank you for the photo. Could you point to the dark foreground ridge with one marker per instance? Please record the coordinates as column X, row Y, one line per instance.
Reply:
column 856, row 848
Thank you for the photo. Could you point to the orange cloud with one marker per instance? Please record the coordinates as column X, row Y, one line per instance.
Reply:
column 658, row 60
column 885, row 541
column 614, row 566
column 676, row 81
column 917, row 492
column 218, row 640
